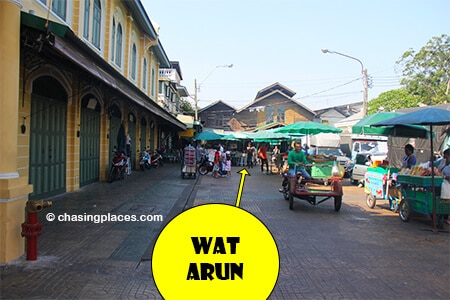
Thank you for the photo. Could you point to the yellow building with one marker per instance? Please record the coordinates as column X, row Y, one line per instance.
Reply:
column 72, row 72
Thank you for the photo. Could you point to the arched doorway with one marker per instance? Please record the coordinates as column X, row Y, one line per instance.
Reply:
column 132, row 133
column 114, row 126
column 89, row 140
column 143, row 139
column 48, row 122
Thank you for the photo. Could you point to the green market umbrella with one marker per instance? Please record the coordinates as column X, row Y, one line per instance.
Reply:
column 207, row 136
column 307, row 128
column 364, row 126
column 235, row 136
column 268, row 136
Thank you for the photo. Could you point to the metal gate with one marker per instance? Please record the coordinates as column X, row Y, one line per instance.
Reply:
column 89, row 142
column 48, row 121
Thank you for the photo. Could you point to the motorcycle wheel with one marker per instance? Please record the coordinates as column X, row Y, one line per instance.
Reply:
column 113, row 174
column 142, row 167
column 155, row 164
column 202, row 170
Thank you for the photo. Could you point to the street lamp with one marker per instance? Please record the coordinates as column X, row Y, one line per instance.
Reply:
column 363, row 72
column 197, row 88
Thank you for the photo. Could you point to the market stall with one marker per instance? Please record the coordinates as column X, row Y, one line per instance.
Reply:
column 417, row 192
column 429, row 116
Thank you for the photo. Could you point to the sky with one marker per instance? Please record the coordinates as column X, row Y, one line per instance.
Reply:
column 270, row 41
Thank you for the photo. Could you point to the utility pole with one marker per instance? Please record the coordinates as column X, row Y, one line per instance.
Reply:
column 196, row 100
column 363, row 72
column 366, row 86
column 196, row 88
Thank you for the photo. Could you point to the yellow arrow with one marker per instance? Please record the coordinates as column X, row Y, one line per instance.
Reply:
column 243, row 172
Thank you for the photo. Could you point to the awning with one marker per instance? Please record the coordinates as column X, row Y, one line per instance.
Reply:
column 187, row 133
column 41, row 24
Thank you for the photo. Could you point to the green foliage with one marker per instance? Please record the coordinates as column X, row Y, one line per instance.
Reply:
column 426, row 73
column 186, row 107
column 426, row 76
column 391, row 100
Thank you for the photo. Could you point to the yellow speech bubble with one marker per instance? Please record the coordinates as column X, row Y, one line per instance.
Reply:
column 215, row 251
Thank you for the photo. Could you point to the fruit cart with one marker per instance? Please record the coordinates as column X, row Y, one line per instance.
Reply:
column 379, row 185
column 417, row 197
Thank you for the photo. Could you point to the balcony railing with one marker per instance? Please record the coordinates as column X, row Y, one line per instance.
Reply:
column 170, row 74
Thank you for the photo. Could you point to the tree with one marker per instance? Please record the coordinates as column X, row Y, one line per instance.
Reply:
column 427, row 72
column 186, row 107
column 426, row 78
column 392, row 100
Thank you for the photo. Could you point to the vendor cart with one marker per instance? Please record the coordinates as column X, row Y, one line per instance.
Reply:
column 189, row 166
column 418, row 197
column 314, row 191
column 379, row 185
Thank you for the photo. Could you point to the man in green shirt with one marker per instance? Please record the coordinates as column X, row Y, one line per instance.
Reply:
column 297, row 160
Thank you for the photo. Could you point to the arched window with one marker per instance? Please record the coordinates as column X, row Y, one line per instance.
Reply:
column 133, row 62
column 113, row 38
column 92, row 23
column 87, row 18
column 144, row 74
column 119, row 46
column 59, row 7
column 152, row 92
column 96, row 24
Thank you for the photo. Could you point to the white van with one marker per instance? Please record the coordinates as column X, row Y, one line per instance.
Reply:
column 376, row 146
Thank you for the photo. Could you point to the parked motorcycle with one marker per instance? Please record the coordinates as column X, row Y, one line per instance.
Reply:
column 148, row 161
column 119, row 166
column 156, row 160
column 144, row 160
column 205, row 165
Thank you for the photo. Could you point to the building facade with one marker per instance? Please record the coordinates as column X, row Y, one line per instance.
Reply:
column 72, row 74
column 272, row 107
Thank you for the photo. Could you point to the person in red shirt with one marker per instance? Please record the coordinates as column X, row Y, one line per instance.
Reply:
column 262, row 154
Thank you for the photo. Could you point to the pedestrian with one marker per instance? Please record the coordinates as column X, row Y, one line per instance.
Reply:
column 409, row 160
column 216, row 163
column 228, row 164
column 262, row 154
column 250, row 152
column 306, row 148
column 444, row 168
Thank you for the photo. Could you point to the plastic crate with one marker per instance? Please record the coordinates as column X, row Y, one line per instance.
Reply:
column 422, row 202
column 322, row 170
column 422, row 181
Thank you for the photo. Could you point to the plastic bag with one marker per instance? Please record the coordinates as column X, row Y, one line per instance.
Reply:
column 337, row 170
column 445, row 191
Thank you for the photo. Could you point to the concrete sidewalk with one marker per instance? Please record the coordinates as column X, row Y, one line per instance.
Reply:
column 89, row 260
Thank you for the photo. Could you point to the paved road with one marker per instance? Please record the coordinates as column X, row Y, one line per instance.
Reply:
column 356, row 253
